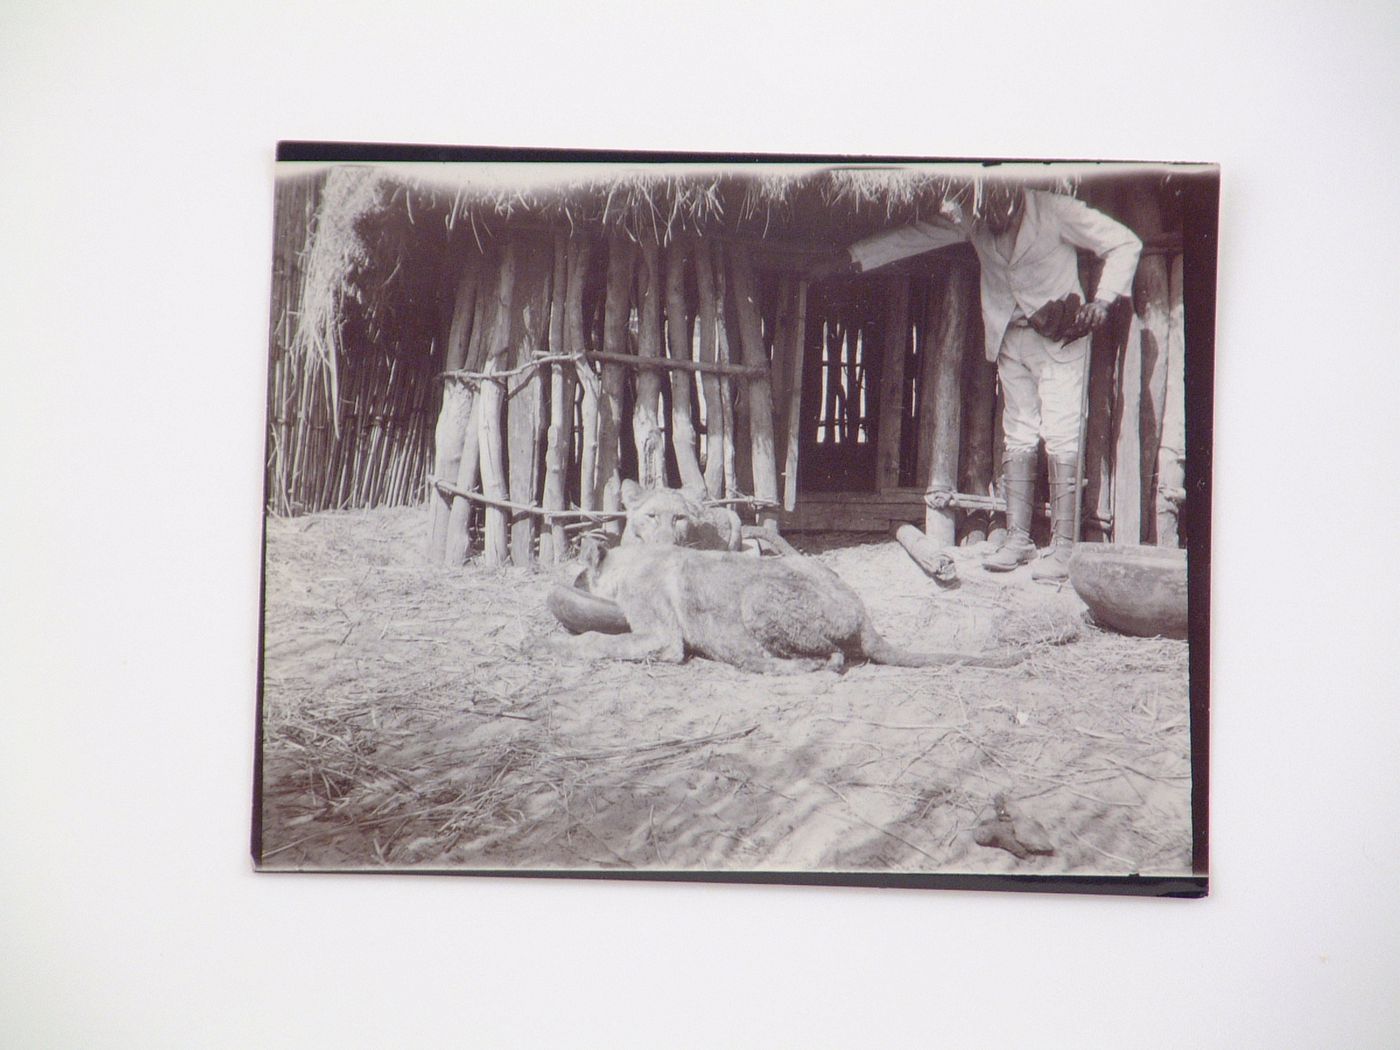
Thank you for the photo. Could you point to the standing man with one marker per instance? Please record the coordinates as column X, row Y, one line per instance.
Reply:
column 1037, row 332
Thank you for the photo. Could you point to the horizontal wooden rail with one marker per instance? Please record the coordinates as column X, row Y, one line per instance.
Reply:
column 630, row 360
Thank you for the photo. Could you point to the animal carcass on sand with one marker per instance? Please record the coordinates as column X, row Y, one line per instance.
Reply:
column 775, row 615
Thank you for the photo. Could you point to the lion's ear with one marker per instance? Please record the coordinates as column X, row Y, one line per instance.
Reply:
column 632, row 493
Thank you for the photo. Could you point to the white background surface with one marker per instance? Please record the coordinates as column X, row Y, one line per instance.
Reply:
column 136, row 146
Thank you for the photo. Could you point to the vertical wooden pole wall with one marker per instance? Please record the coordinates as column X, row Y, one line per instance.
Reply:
column 895, row 347
column 759, row 398
column 710, row 322
column 496, row 548
column 646, row 415
column 525, row 411
column 945, row 395
column 678, row 345
column 553, row 542
column 617, row 310
column 1171, row 456
column 794, row 406
column 455, row 413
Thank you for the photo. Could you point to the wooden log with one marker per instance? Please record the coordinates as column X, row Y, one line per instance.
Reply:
column 1127, row 460
column 1151, row 300
column 1099, row 442
column 894, row 347
column 780, row 356
column 760, row 397
column 1171, row 455
column 496, row 545
column 794, row 405
column 934, row 310
column 588, row 382
column 736, row 451
column 491, row 395
column 960, row 308
column 617, row 310
column 678, row 345
column 979, row 424
column 488, row 315
column 456, row 400
column 553, row 541
column 646, row 416
column 935, row 562
column 524, row 391
column 716, row 434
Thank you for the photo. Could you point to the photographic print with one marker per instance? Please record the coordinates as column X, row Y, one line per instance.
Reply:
column 790, row 519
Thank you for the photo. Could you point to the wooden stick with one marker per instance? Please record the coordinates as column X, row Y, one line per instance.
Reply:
column 646, row 428
column 794, row 405
column 1127, row 462
column 760, row 399
column 979, row 424
column 1151, row 299
column 554, row 543
column 489, row 421
column 622, row 254
column 525, row 418
column 1171, row 455
column 678, row 345
column 495, row 548
column 716, row 435
column 890, row 406
column 528, row 508
column 959, row 307
column 485, row 309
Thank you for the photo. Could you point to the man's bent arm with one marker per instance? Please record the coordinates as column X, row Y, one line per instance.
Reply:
column 902, row 242
column 1107, row 238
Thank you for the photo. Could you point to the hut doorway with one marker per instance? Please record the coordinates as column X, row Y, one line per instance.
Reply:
column 893, row 385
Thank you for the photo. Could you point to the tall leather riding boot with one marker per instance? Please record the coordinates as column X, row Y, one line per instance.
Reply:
column 1054, row 563
column 1019, row 477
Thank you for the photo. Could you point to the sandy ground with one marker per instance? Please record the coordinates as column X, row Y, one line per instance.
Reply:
column 411, row 720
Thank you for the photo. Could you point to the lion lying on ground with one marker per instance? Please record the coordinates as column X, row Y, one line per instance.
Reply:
column 772, row 615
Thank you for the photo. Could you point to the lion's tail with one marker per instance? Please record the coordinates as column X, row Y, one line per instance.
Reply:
column 880, row 651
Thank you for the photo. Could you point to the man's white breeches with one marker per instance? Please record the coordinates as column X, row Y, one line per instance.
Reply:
column 1041, row 396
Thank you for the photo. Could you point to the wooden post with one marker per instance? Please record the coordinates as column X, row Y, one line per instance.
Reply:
column 495, row 547
column 959, row 309
column 576, row 341
column 1151, row 300
column 678, row 344
column 781, row 362
column 794, row 406
column 1100, row 427
column 891, row 405
column 760, row 396
column 716, row 433
column 732, row 394
column 979, row 385
column 646, row 429
column 935, row 310
column 621, row 261
column 492, row 309
column 553, row 540
column 1127, row 460
column 489, row 418
column 525, row 418
column 1171, row 456
column 455, row 413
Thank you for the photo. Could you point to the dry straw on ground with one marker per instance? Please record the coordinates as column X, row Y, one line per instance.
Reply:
column 411, row 720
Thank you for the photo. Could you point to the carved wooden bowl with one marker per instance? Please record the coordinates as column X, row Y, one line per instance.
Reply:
column 1133, row 590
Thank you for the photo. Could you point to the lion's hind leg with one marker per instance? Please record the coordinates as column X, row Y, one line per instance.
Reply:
column 789, row 617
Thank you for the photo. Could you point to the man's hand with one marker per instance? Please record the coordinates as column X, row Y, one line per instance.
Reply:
column 1094, row 314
